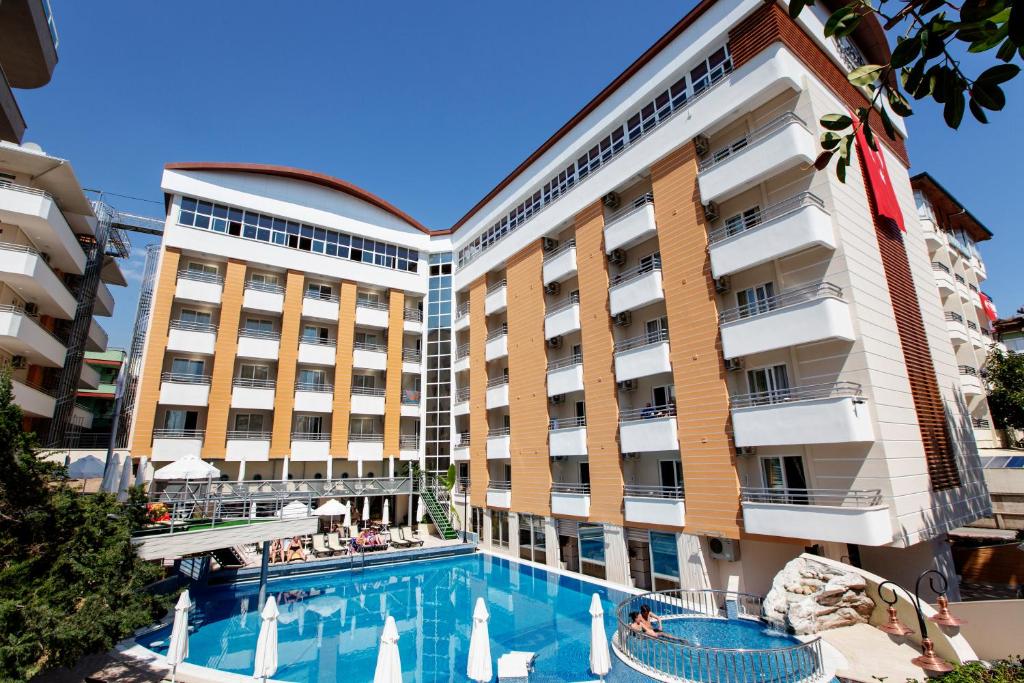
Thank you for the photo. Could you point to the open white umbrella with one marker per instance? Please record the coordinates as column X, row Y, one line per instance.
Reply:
column 126, row 480
column 188, row 467
column 331, row 508
column 366, row 510
column 386, row 516
column 294, row 509
column 389, row 664
column 479, row 666
column 177, row 648
column 600, row 657
column 89, row 467
column 266, row 644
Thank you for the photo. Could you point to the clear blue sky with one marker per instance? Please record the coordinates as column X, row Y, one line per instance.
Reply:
column 426, row 104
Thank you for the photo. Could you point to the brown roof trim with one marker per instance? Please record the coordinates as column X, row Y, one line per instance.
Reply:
column 321, row 179
column 957, row 212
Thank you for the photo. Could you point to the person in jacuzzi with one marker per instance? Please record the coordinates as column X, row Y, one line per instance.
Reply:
column 649, row 618
column 639, row 626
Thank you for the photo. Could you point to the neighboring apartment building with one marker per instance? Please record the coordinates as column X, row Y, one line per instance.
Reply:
column 1010, row 332
column 100, row 402
column 57, row 255
column 664, row 350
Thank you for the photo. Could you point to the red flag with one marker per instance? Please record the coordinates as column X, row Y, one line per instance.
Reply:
column 886, row 204
column 988, row 307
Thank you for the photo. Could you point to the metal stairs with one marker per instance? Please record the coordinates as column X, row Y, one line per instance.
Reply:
column 437, row 512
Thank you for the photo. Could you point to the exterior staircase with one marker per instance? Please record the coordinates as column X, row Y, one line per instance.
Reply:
column 437, row 510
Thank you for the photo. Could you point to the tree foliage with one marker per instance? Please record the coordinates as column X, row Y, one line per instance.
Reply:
column 1004, row 671
column 1004, row 375
column 70, row 582
column 939, row 45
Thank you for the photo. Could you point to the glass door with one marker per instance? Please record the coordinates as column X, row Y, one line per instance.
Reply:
column 785, row 474
column 756, row 300
column 768, row 385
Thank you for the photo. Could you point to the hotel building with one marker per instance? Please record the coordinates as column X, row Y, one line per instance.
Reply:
column 663, row 350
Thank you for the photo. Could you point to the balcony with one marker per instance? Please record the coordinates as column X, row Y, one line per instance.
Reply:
column 978, row 340
column 779, row 145
column 966, row 295
column 371, row 313
column 663, row 505
column 497, row 343
column 498, row 442
column 791, row 226
column 263, row 297
column 461, row 363
column 496, row 300
column 96, row 340
column 460, row 448
column 367, row 400
column 258, row 344
column 642, row 356
column 838, row 516
column 461, row 490
column 461, row 319
column 37, row 214
column 648, row 429
column 191, row 337
column 983, row 435
column 370, row 356
column 562, row 318
column 411, row 399
column 957, row 329
column 248, row 446
column 89, row 377
column 630, row 226
column 25, row 270
column 34, row 400
column 22, row 335
column 943, row 278
column 313, row 397
column 412, row 361
column 811, row 414
column 320, row 307
column 499, row 494
column 316, row 351
column 412, row 320
column 797, row 316
column 182, row 389
column 567, row 436
column 252, row 394
column 560, row 262
column 408, row 447
column 497, row 392
column 970, row 382
column 174, row 444
column 311, row 446
column 199, row 287
column 565, row 376
column 366, row 447
column 460, row 406
column 570, row 500
column 104, row 300
column 635, row 288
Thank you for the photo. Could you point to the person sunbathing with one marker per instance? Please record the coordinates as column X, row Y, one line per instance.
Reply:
column 641, row 627
column 295, row 550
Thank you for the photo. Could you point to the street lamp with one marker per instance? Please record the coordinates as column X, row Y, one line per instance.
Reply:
column 928, row 660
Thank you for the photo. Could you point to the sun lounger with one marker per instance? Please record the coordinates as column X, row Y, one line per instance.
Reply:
column 335, row 544
column 406, row 534
column 515, row 666
column 320, row 548
column 399, row 542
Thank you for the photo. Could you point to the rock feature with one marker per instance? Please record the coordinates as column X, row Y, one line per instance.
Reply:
column 809, row 596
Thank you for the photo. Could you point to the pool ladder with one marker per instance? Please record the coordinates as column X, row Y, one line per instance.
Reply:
column 352, row 561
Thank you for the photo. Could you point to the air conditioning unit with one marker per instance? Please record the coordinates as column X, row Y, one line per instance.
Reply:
column 727, row 549
column 626, row 385
column 552, row 288
column 549, row 244
column 711, row 212
column 722, row 284
column 746, row 450
column 623, row 319
column 612, row 200
column 630, row 456
column 558, row 458
column 702, row 144
column 555, row 342
column 557, row 399
column 617, row 257
column 31, row 309
column 19, row 362
column 733, row 364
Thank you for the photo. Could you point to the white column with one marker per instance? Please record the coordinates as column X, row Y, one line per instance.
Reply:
column 241, row 470
column 359, row 469
column 485, row 530
column 552, row 550
column 391, row 468
column 616, row 555
column 284, row 469
column 330, row 468
column 693, row 564
column 513, row 534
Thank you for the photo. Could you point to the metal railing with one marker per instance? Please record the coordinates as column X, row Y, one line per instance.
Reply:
column 808, row 392
column 317, row 387
column 26, row 249
column 791, row 297
column 367, row 391
column 367, row 438
column 496, row 485
column 653, row 491
column 370, row 346
column 942, row 267
column 178, row 433
column 968, row 370
column 498, row 432
column 370, row 303
column 321, row 296
column 762, row 217
column 648, row 413
column 271, row 287
column 679, row 659
column 621, row 214
column 556, row 423
column 202, row 505
column 462, row 351
column 565, row 487
column 954, row 317
column 635, row 273
column 849, row 498
column 646, row 339
column 293, row 489
column 971, row 325
column 960, row 279
column 318, row 341
column 411, row 355
column 412, row 314
column 499, row 381
column 184, row 378
column 20, row 310
column 250, row 383
column 565, row 362
column 201, row 276
column 462, row 485
column 462, row 394
column 7, row 185
column 462, row 310
column 248, row 435
column 463, row 440
column 560, row 249
column 311, row 436
column 497, row 333
column 573, row 300
column 495, row 286
column 259, row 334
column 190, row 326
column 408, row 441
column 730, row 150
column 981, row 422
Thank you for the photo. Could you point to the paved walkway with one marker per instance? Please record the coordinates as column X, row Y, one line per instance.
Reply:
column 870, row 652
column 109, row 667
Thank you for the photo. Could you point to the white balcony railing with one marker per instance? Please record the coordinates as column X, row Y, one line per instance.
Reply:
column 811, row 414
column 654, row 504
column 836, row 515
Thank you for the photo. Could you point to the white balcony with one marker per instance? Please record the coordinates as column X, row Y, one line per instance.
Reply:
column 263, row 298
column 461, row 405
column 779, row 145
column 316, row 353
column 248, row 447
column 81, row 417
column 797, row 316
column 370, row 356
column 460, row 452
column 565, row 376
column 21, row 335
column 174, row 444
column 970, row 383
column 372, row 314
column 966, row 295
column 496, row 300
column 36, row 213
column 259, row 345
column 978, row 340
column 497, row 393
column 647, row 430
column 89, row 378
column 412, row 320
column 33, row 401
column 203, row 288
column 818, row 514
column 367, row 401
column 567, row 437
column 412, row 361
column 188, row 337
column 642, row 356
column 184, row 390
column 791, row 226
column 313, row 398
column 25, row 270
column 560, row 263
column 366, row 447
column 662, row 505
column 632, row 226
column 956, row 327
column 813, row 414
column 97, row 337
column 498, row 443
column 252, row 394
column 309, row 447
column 635, row 288
column 320, row 308
column 408, row 447
column 943, row 278
column 461, row 362
column 409, row 407
column 497, row 345
column 460, row 320
column 562, row 319
column 499, row 494
column 570, row 500
column 104, row 300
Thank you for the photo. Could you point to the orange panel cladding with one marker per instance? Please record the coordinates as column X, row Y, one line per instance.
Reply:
column 478, row 393
column 343, row 369
column 215, row 441
column 393, row 380
column 284, row 396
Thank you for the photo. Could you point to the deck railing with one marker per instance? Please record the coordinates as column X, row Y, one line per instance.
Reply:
column 850, row 498
column 807, row 392
column 653, row 491
column 791, row 297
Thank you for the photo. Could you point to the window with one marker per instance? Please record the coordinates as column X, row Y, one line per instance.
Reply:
column 663, row 395
column 368, row 298
column 364, row 382
column 314, row 333
column 769, row 384
column 190, row 316
column 671, row 472
column 585, row 473
column 202, row 268
column 592, row 543
column 369, row 339
column 743, row 221
column 264, row 278
column 664, row 556
column 657, row 329
column 248, row 422
column 712, row 70
column 254, row 371
column 363, row 426
column 785, row 473
column 756, row 300
column 187, row 366
column 312, row 376
column 650, row 262
column 309, row 424
column 259, row 325
column 178, row 420
column 316, row 290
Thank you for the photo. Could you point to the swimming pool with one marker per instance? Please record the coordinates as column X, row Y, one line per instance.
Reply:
column 330, row 623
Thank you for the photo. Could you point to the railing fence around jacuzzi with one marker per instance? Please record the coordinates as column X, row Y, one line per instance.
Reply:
column 683, row 661
column 850, row 498
column 807, row 392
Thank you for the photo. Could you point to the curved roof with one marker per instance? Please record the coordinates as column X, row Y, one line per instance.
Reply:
column 321, row 179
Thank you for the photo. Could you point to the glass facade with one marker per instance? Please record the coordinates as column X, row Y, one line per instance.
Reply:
column 439, row 364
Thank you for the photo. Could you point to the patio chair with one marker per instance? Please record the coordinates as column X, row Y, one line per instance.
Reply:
column 320, row 547
column 353, row 530
column 398, row 542
column 407, row 535
column 335, row 544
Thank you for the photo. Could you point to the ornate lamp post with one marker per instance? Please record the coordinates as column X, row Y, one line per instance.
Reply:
column 928, row 660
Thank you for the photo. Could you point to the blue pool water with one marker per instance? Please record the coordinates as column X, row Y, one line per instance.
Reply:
column 330, row 624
